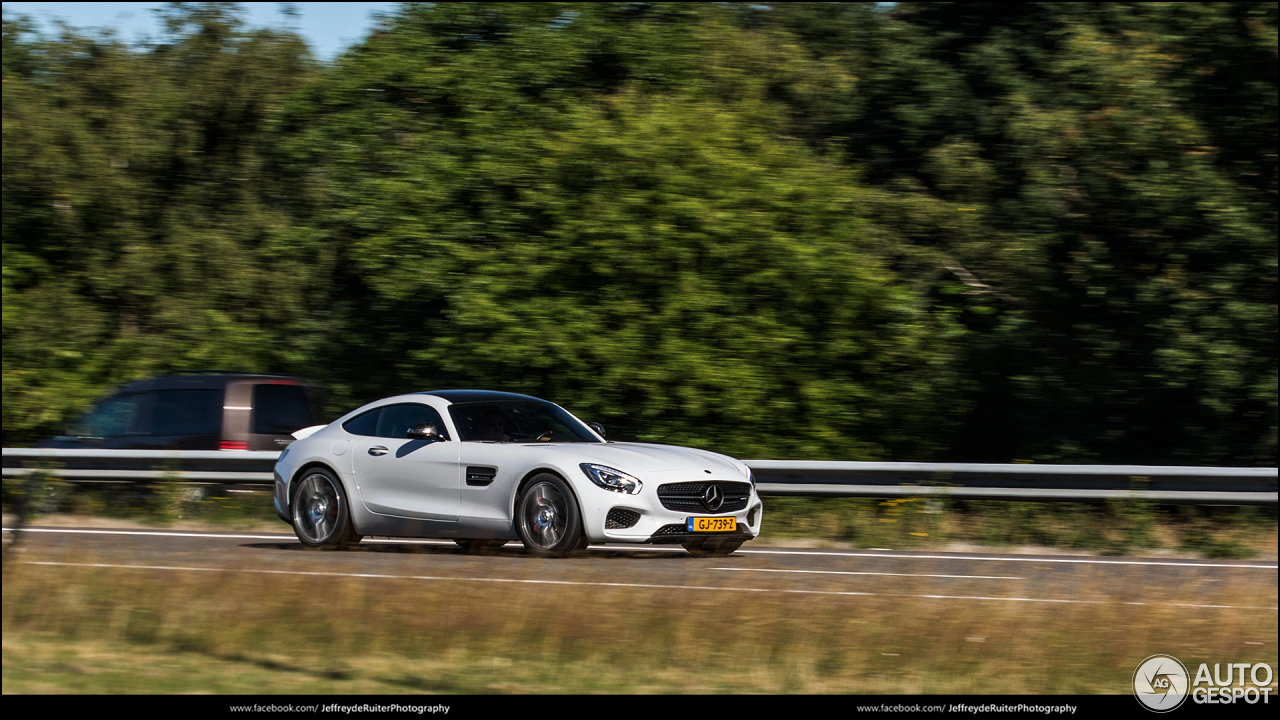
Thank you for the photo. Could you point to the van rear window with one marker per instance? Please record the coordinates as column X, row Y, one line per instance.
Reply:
column 187, row 412
column 280, row 409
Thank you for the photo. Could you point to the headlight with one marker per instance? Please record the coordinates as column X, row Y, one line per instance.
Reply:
column 610, row 479
column 283, row 453
column 752, row 477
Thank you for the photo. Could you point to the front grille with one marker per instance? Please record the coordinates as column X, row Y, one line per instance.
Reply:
column 621, row 519
column 691, row 496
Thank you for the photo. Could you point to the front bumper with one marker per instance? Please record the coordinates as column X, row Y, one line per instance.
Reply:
column 657, row 524
column 675, row 534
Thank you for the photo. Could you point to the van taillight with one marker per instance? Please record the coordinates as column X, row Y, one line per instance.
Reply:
column 233, row 445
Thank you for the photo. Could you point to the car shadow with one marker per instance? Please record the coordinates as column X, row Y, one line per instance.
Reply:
column 412, row 445
column 511, row 550
column 380, row 547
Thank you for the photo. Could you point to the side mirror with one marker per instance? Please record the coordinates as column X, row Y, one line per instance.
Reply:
column 597, row 427
column 424, row 432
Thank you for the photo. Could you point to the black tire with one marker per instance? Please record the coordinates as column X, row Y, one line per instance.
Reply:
column 547, row 517
column 712, row 547
column 321, row 518
column 480, row 547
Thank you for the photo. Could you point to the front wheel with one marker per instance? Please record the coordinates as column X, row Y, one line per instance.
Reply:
column 547, row 517
column 321, row 519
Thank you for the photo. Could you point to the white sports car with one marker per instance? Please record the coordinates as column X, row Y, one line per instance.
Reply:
column 483, row 467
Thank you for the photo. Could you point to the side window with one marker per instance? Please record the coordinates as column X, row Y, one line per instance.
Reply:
column 280, row 409
column 364, row 424
column 397, row 419
column 111, row 418
column 187, row 412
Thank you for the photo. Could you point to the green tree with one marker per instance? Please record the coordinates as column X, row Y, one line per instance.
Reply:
column 649, row 253
column 1093, row 188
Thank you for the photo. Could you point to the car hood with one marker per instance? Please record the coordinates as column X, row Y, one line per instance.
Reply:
column 645, row 458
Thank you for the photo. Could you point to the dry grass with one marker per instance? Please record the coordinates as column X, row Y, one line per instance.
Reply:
column 79, row 629
column 1117, row 527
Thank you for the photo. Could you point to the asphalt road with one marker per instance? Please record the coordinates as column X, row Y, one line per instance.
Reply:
column 955, row 577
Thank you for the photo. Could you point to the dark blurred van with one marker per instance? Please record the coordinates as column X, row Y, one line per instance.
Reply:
column 198, row 410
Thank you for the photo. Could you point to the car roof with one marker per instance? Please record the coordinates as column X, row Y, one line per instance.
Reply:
column 202, row 380
column 469, row 396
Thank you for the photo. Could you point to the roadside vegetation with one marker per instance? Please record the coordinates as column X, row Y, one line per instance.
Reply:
column 1118, row 527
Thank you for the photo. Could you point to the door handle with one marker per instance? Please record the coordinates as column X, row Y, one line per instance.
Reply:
column 377, row 450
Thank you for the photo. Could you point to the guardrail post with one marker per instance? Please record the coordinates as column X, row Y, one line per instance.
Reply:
column 168, row 495
column 20, row 508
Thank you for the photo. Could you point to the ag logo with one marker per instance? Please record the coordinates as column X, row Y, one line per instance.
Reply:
column 1160, row 683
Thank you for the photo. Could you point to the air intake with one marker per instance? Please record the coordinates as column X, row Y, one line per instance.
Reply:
column 621, row 519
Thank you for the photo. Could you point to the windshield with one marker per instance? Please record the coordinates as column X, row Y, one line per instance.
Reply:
column 519, row 422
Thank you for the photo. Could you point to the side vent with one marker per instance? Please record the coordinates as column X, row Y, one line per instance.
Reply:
column 479, row 476
column 621, row 519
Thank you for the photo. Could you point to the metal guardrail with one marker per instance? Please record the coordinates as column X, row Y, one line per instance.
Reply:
column 806, row 478
column 194, row 466
column 981, row 481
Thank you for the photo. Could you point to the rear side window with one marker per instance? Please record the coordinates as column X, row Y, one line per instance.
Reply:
column 111, row 418
column 396, row 420
column 363, row 424
column 187, row 412
column 280, row 409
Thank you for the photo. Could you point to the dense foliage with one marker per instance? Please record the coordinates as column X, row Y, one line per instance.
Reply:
column 847, row 231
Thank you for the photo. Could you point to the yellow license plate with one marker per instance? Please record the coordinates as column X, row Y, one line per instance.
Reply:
column 712, row 524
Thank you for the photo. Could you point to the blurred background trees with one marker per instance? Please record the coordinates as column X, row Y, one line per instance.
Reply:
column 940, row 231
column 141, row 209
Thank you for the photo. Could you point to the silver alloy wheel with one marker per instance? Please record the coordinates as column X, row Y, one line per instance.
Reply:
column 316, row 509
column 544, row 515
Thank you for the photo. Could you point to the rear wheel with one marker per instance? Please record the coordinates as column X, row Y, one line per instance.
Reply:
column 321, row 519
column 547, row 517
